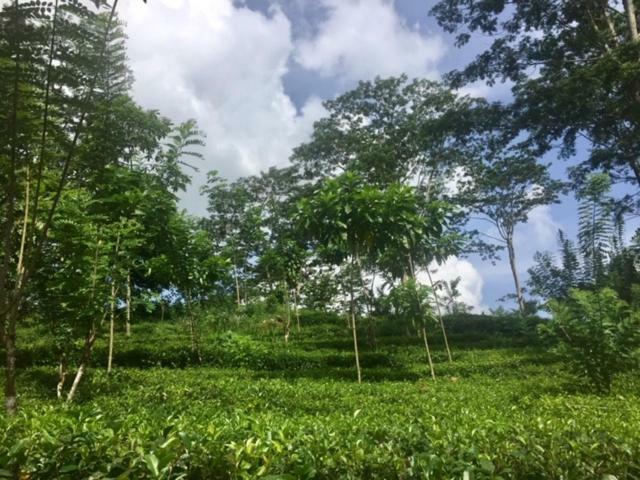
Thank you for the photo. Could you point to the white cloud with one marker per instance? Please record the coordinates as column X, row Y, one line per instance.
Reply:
column 543, row 226
column 361, row 39
column 471, row 282
column 222, row 65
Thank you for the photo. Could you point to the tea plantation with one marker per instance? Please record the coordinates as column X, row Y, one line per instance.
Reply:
column 259, row 408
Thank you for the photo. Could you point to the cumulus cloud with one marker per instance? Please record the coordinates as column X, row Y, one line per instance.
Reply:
column 363, row 38
column 222, row 65
column 471, row 282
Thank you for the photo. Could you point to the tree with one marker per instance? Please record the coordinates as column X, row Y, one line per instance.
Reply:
column 574, row 68
column 235, row 224
column 505, row 189
column 54, row 70
column 196, row 271
column 72, row 283
column 354, row 220
column 389, row 131
column 601, row 258
column 596, row 229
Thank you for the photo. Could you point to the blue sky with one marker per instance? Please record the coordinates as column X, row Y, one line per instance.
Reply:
column 254, row 74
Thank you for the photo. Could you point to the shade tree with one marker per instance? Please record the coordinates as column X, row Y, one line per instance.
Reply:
column 356, row 221
column 503, row 187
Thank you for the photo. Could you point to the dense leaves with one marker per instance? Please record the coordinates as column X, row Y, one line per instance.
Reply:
column 597, row 333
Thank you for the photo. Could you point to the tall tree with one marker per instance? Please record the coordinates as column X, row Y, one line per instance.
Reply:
column 504, row 189
column 235, row 221
column 390, row 130
column 54, row 68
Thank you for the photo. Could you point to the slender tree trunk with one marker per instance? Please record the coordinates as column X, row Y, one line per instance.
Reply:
column 440, row 317
column 235, row 276
column 514, row 271
column 10, row 390
column 162, row 307
column 112, row 325
column 426, row 346
column 84, row 362
column 128, row 318
column 195, row 344
column 353, row 322
column 62, row 376
column 244, row 291
column 296, row 295
column 112, row 308
column 287, row 323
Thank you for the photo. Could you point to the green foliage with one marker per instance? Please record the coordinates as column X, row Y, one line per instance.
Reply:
column 575, row 78
column 412, row 303
column 596, row 232
column 601, row 258
column 597, row 333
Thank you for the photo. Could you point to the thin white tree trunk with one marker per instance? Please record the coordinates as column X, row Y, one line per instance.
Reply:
column 128, row 317
column 514, row 271
column 440, row 317
column 287, row 323
column 112, row 324
column 235, row 275
column 84, row 363
column 426, row 346
column 353, row 323
column 62, row 376
column 296, row 294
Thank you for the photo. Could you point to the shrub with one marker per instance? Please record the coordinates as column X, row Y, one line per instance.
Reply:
column 597, row 333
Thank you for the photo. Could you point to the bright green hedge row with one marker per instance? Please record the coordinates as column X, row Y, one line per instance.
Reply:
column 205, row 423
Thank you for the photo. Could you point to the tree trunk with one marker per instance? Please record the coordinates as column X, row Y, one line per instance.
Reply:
column 10, row 391
column 62, row 376
column 514, row 271
column 287, row 323
column 353, row 322
column 426, row 346
column 128, row 318
column 632, row 21
column 440, row 318
column 112, row 324
column 235, row 276
column 162, row 307
column 296, row 295
column 195, row 344
column 84, row 363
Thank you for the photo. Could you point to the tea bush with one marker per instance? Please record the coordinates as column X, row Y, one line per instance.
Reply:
column 263, row 409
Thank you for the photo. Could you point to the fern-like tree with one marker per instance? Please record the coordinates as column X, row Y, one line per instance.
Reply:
column 596, row 227
column 597, row 333
column 57, row 60
column 599, row 258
